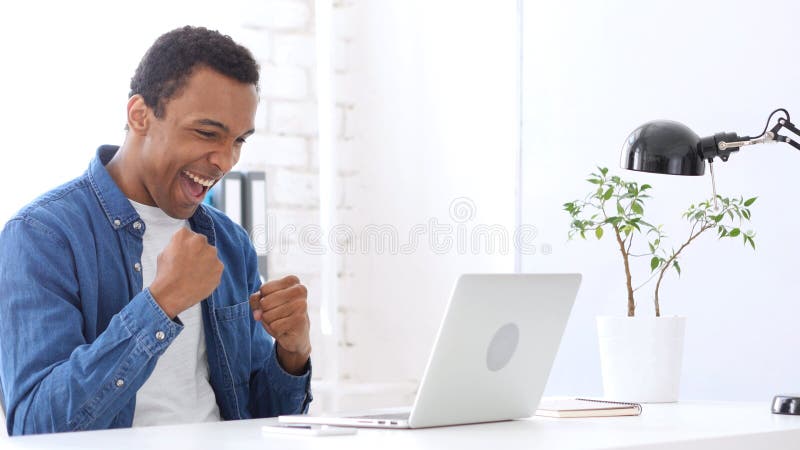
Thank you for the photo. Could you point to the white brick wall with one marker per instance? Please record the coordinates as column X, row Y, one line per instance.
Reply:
column 293, row 118
column 277, row 15
column 280, row 82
column 294, row 188
column 278, row 151
column 281, row 35
column 294, row 50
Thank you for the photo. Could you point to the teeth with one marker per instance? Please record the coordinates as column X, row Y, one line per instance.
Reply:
column 198, row 180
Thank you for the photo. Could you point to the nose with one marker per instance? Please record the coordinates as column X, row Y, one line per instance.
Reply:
column 224, row 158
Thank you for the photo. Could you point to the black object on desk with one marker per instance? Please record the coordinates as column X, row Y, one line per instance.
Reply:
column 786, row 404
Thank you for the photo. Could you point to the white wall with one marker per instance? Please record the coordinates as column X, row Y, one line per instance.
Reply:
column 435, row 119
column 65, row 80
column 593, row 71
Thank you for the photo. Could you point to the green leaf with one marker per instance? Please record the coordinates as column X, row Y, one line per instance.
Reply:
column 734, row 232
column 655, row 261
column 598, row 232
column 652, row 248
column 637, row 208
column 594, row 180
column 607, row 195
column 645, row 187
column 603, row 170
column 746, row 213
column 750, row 201
column 620, row 209
column 676, row 266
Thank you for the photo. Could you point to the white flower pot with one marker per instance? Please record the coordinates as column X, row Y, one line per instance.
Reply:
column 641, row 357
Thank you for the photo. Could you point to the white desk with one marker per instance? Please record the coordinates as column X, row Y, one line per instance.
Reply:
column 686, row 425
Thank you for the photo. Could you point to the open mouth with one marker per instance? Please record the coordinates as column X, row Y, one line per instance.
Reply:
column 195, row 185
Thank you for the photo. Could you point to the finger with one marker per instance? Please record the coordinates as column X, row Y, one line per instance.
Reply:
column 277, row 285
column 255, row 301
column 297, row 307
column 288, row 326
column 255, row 306
column 277, row 299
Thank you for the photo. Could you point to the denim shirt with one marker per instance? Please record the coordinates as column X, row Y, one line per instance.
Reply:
column 79, row 336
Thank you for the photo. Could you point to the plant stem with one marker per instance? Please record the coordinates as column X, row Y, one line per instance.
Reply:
column 628, row 281
column 671, row 259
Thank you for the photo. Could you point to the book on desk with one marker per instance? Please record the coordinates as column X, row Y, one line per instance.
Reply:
column 585, row 407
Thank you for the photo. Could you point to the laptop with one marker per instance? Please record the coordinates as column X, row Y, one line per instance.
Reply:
column 491, row 358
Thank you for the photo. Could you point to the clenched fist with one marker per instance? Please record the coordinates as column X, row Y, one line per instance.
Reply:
column 281, row 306
column 188, row 271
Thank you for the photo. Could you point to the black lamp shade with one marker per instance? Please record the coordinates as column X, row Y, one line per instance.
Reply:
column 663, row 146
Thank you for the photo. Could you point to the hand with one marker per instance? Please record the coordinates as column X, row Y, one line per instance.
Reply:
column 188, row 272
column 281, row 307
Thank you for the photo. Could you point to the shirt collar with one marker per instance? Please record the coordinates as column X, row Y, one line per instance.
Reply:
column 115, row 204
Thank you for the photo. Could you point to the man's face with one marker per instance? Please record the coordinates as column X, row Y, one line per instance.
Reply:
column 197, row 140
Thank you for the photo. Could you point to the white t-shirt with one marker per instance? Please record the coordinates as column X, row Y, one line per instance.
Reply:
column 178, row 390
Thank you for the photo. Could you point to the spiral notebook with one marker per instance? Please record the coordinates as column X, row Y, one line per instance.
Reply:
column 585, row 407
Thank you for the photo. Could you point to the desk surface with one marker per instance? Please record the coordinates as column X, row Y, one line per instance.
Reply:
column 685, row 425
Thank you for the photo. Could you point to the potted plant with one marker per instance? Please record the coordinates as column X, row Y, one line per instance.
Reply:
column 641, row 354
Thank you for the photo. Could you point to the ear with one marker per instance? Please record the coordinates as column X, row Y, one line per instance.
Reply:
column 139, row 115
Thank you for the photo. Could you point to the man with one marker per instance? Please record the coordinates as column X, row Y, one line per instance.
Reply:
column 126, row 301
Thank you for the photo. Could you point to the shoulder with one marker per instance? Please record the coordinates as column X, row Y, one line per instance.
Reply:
column 62, row 206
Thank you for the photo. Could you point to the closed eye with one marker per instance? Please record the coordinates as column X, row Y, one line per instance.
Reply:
column 206, row 134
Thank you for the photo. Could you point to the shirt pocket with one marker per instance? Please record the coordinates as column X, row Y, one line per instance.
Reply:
column 234, row 323
column 233, row 312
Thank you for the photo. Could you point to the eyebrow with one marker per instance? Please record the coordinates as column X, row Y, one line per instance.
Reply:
column 222, row 126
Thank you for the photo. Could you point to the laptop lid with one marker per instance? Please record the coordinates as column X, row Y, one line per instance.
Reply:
column 495, row 348
column 492, row 355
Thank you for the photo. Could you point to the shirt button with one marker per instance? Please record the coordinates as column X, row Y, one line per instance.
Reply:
column 117, row 222
column 137, row 225
column 137, row 267
column 120, row 382
column 160, row 335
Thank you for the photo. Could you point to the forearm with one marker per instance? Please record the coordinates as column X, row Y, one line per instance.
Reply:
column 274, row 391
column 96, row 381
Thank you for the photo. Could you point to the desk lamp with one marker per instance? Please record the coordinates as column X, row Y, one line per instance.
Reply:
column 668, row 147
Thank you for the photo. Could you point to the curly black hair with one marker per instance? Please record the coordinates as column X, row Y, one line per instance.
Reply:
column 168, row 63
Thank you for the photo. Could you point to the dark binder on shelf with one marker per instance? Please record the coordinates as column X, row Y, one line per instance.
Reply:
column 227, row 196
column 255, row 216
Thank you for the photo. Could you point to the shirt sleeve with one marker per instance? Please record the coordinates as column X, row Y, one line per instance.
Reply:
column 53, row 380
column 273, row 391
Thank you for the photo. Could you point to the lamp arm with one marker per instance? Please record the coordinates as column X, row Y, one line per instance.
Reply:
column 784, row 123
column 723, row 144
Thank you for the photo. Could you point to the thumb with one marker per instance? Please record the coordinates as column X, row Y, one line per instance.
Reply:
column 255, row 305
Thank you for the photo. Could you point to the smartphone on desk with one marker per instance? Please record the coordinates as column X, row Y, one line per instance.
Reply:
column 307, row 430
